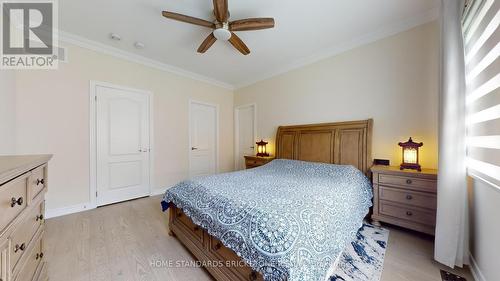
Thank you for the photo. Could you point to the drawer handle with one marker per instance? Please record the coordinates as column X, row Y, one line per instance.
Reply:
column 408, row 181
column 40, row 217
column 40, row 181
column 13, row 201
column 17, row 247
column 409, row 213
column 196, row 228
column 253, row 275
column 39, row 256
column 218, row 246
column 409, row 197
column 179, row 215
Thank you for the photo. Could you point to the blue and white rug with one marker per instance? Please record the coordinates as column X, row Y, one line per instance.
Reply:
column 363, row 259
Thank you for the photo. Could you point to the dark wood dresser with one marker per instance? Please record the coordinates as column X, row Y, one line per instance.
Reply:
column 406, row 198
column 23, row 183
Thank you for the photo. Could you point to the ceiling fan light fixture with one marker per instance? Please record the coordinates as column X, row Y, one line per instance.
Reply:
column 222, row 34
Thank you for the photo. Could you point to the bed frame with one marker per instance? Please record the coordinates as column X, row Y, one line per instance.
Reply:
column 347, row 143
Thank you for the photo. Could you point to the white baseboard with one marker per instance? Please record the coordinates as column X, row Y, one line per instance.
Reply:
column 62, row 211
column 155, row 192
column 57, row 212
column 474, row 268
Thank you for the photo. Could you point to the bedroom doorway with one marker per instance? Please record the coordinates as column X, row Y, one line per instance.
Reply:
column 121, row 143
column 203, row 138
column 245, row 133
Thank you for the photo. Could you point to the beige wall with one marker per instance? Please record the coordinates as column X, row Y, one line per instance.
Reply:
column 7, row 111
column 53, row 117
column 484, row 200
column 394, row 81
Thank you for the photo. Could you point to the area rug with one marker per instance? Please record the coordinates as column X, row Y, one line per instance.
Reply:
column 363, row 259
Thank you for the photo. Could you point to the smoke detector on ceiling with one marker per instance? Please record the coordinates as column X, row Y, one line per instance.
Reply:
column 115, row 37
column 139, row 45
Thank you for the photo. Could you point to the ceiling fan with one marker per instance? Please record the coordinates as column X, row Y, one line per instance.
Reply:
column 222, row 28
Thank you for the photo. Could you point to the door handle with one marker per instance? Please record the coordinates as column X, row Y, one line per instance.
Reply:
column 252, row 147
column 143, row 150
column 194, row 148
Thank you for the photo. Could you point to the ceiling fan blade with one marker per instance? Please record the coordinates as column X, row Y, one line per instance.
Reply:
column 188, row 19
column 251, row 24
column 207, row 43
column 221, row 10
column 238, row 44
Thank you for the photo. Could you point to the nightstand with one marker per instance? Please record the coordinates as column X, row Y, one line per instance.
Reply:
column 406, row 198
column 256, row 161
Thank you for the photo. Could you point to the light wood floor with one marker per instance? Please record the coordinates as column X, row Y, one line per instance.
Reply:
column 120, row 241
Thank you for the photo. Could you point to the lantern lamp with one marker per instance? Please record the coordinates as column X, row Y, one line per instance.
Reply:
column 410, row 155
column 261, row 148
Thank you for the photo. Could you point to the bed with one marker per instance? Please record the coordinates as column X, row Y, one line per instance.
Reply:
column 287, row 220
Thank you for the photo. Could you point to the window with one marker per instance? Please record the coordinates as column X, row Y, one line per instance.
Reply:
column 482, row 69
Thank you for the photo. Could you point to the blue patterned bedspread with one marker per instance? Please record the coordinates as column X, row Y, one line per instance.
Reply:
column 289, row 220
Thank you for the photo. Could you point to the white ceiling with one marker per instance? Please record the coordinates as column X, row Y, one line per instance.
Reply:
column 305, row 30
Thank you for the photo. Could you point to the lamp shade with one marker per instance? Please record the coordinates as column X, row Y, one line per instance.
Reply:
column 261, row 148
column 410, row 155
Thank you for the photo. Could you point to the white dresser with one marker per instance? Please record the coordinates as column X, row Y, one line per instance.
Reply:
column 23, row 184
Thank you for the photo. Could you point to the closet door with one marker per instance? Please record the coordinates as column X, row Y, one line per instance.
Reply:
column 245, row 134
column 123, row 138
column 203, row 131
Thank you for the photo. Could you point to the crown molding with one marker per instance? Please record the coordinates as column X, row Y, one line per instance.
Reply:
column 129, row 56
column 383, row 32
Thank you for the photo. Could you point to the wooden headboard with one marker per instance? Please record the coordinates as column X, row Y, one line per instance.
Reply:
column 346, row 143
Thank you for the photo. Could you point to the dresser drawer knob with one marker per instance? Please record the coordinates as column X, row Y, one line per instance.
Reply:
column 40, row 217
column 409, row 197
column 18, row 247
column 13, row 201
column 218, row 246
column 39, row 256
column 408, row 181
column 409, row 213
column 40, row 181
column 196, row 228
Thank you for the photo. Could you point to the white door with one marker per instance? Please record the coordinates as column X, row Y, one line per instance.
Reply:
column 245, row 135
column 122, row 144
column 203, row 139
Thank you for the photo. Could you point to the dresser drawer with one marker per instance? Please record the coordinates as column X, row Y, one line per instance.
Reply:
column 37, row 181
column 254, row 163
column 4, row 262
column 426, row 217
column 12, row 200
column 251, row 162
column 250, row 166
column 185, row 222
column 32, row 262
column 408, row 197
column 408, row 182
column 24, row 233
column 231, row 259
column 41, row 272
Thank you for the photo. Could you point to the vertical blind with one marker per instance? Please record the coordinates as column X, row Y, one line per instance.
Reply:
column 482, row 69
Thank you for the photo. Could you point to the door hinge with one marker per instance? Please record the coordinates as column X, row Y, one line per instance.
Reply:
column 95, row 98
column 96, row 194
